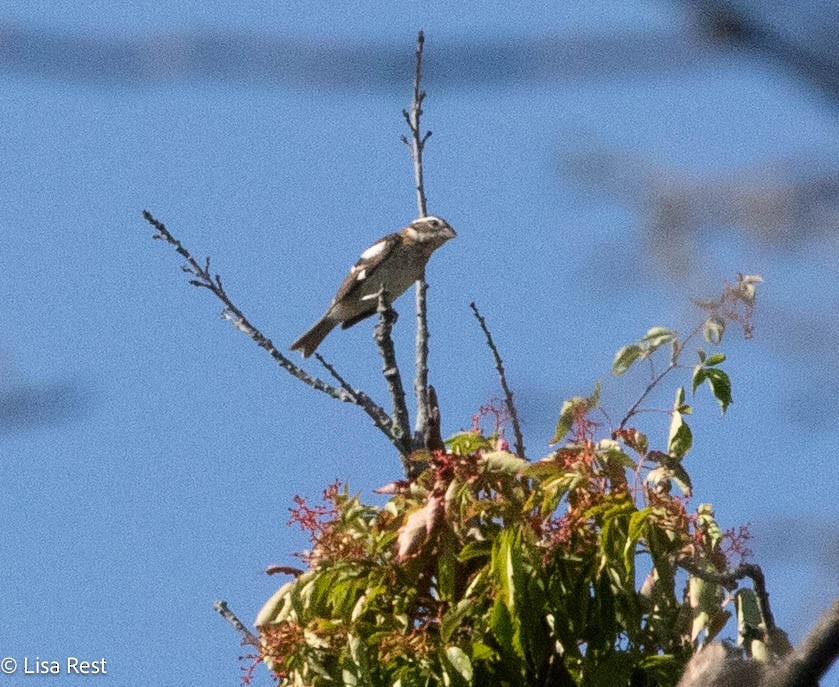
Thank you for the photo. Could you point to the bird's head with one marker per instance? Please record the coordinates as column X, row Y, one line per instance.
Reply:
column 431, row 230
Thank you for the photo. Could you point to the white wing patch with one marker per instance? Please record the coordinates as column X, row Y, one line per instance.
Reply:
column 362, row 275
column 374, row 250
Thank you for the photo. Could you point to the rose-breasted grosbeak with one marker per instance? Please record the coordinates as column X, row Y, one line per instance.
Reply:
column 391, row 264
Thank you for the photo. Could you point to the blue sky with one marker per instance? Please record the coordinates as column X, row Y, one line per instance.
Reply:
column 153, row 470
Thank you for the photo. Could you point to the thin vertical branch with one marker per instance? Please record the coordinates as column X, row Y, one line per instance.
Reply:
column 417, row 144
column 418, row 138
column 508, row 394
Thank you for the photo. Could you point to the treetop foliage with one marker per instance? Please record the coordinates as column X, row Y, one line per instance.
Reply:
column 586, row 567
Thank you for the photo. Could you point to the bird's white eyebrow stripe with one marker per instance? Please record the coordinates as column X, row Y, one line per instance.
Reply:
column 374, row 250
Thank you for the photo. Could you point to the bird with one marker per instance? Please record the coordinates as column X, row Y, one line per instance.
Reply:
column 391, row 264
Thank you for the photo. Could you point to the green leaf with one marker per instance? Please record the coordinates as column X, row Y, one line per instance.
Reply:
column 715, row 359
column 682, row 479
column 613, row 460
column 594, row 399
column 481, row 652
column 704, row 598
column 720, row 384
column 699, row 375
column 566, row 418
column 452, row 618
column 624, row 358
column 750, row 625
column 638, row 525
column 475, row 549
column 706, row 522
column 503, row 461
column 446, row 567
column 465, row 443
column 507, row 567
column 501, row 624
column 681, row 438
column 458, row 660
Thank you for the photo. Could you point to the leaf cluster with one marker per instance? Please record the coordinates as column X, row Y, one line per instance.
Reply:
column 582, row 568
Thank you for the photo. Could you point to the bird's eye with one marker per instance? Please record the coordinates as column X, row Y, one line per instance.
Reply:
column 435, row 223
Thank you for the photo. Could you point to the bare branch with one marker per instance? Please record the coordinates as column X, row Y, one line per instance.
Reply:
column 421, row 360
column 417, row 143
column 729, row 579
column 380, row 417
column 205, row 279
column 678, row 348
column 412, row 117
column 224, row 611
column 508, row 394
column 400, row 427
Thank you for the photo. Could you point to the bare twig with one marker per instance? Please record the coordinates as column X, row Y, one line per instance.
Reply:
column 418, row 138
column 203, row 278
column 400, row 426
column 508, row 394
column 224, row 611
column 417, row 144
column 656, row 380
column 380, row 417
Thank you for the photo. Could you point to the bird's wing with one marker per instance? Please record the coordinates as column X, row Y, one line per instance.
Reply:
column 366, row 266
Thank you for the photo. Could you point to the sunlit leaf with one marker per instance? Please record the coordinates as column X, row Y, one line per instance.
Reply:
column 571, row 410
column 681, row 438
column 446, row 568
column 657, row 337
column 465, row 443
column 475, row 549
column 713, row 330
column 412, row 533
column 625, row 357
column 460, row 662
column 503, row 461
column 706, row 522
column 273, row 609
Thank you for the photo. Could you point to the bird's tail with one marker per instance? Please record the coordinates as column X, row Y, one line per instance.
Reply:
column 308, row 343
